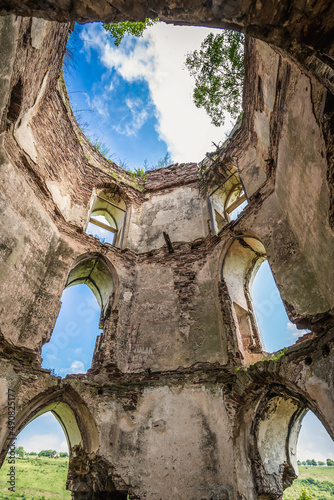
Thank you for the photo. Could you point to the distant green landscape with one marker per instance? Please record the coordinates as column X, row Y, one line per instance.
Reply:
column 37, row 478
column 317, row 483
column 44, row 478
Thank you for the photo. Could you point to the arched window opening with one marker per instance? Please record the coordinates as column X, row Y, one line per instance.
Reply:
column 278, row 424
column 259, row 315
column 81, row 318
column 286, row 435
column 235, row 202
column 72, row 344
column 108, row 218
column 40, row 457
column 227, row 201
column 315, row 460
column 276, row 329
column 243, row 258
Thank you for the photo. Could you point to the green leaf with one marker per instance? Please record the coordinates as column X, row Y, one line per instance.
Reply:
column 118, row 30
column 218, row 69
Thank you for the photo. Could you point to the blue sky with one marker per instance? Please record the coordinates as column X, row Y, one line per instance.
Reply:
column 137, row 100
column 73, row 339
column 276, row 328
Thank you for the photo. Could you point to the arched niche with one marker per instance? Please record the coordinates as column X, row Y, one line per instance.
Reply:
column 71, row 412
column 275, row 430
column 97, row 274
column 242, row 259
column 66, row 417
column 277, row 433
column 108, row 215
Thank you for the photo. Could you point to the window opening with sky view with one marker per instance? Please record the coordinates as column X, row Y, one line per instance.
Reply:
column 134, row 102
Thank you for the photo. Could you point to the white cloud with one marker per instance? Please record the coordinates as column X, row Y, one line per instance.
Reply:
column 63, row 446
column 38, row 442
column 99, row 104
column 43, row 433
column 305, row 453
column 76, row 367
column 139, row 116
column 293, row 332
column 47, row 354
column 314, row 441
column 158, row 58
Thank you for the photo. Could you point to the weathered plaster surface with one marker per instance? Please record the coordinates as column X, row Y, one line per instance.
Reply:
column 169, row 408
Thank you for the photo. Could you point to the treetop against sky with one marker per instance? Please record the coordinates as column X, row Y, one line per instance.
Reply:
column 137, row 97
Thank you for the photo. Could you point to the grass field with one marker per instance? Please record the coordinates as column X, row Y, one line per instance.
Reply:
column 45, row 478
column 316, row 481
column 36, row 479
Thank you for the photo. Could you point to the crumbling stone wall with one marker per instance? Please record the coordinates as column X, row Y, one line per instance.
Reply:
column 305, row 30
column 169, row 408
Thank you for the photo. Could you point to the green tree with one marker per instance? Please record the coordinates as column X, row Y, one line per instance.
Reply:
column 118, row 30
column 218, row 68
column 46, row 453
column 321, row 463
column 20, row 451
column 64, row 454
column 305, row 496
column 330, row 462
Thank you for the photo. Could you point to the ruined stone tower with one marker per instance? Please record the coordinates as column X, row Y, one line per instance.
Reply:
column 169, row 409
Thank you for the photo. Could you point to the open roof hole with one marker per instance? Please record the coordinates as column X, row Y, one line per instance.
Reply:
column 72, row 343
column 134, row 102
column 276, row 329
